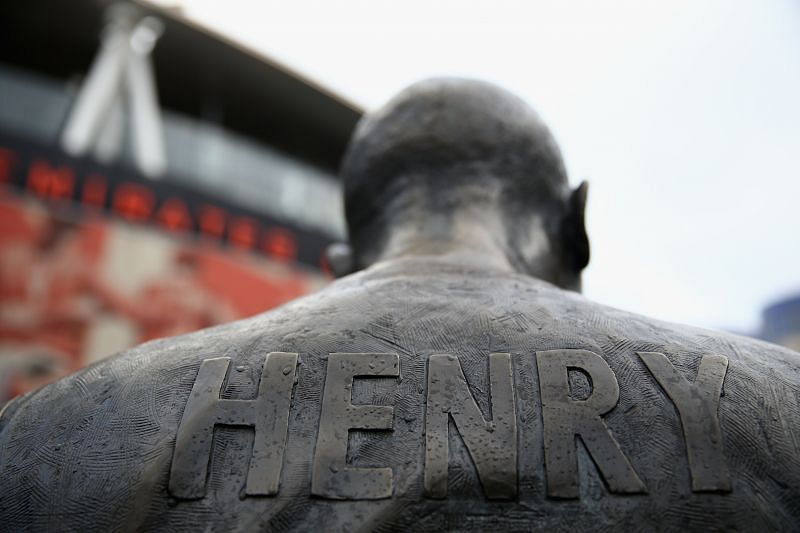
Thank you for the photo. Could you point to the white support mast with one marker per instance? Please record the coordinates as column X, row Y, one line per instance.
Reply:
column 121, row 73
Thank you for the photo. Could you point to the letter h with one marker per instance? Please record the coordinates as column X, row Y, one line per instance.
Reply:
column 268, row 413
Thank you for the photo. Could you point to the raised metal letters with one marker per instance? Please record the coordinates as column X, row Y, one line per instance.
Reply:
column 268, row 413
column 698, row 405
column 492, row 445
column 332, row 476
column 565, row 418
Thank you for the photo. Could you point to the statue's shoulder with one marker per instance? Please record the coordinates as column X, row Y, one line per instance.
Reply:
column 746, row 354
column 106, row 432
column 125, row 384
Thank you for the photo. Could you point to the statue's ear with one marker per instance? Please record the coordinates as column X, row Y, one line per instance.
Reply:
column 340, row 259
column 574, row 229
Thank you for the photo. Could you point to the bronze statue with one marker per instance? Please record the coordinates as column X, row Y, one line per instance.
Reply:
column 452, row 379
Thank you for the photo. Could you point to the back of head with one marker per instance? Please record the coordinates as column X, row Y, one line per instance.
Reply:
column 443, row 144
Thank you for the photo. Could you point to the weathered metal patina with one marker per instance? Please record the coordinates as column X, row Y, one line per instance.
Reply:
column 451, row 379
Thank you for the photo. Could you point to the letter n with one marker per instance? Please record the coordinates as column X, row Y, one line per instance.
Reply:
column 268, row 414
column 492, row 445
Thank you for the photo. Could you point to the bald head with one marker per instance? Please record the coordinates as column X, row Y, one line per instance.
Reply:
column 447, row 146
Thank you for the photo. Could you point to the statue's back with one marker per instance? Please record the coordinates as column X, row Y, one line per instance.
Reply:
column 480, row 400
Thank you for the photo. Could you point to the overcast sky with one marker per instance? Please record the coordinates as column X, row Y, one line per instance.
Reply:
column 683, row 115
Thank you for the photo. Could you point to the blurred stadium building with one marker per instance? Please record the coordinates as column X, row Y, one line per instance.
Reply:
column 781, row 323
column 154, row 179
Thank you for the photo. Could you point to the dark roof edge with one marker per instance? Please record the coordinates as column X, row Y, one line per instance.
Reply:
column 178, row 16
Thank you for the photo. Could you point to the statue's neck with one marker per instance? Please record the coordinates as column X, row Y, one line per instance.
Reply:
column 477, row 239
column 470, row 238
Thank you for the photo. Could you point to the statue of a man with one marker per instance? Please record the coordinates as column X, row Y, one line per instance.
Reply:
column 453, row 378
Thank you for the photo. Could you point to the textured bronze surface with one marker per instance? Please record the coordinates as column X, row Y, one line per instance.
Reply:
column 97, row 447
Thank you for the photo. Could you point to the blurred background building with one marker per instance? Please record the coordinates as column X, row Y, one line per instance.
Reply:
column 781, row 323
column 154, row 179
